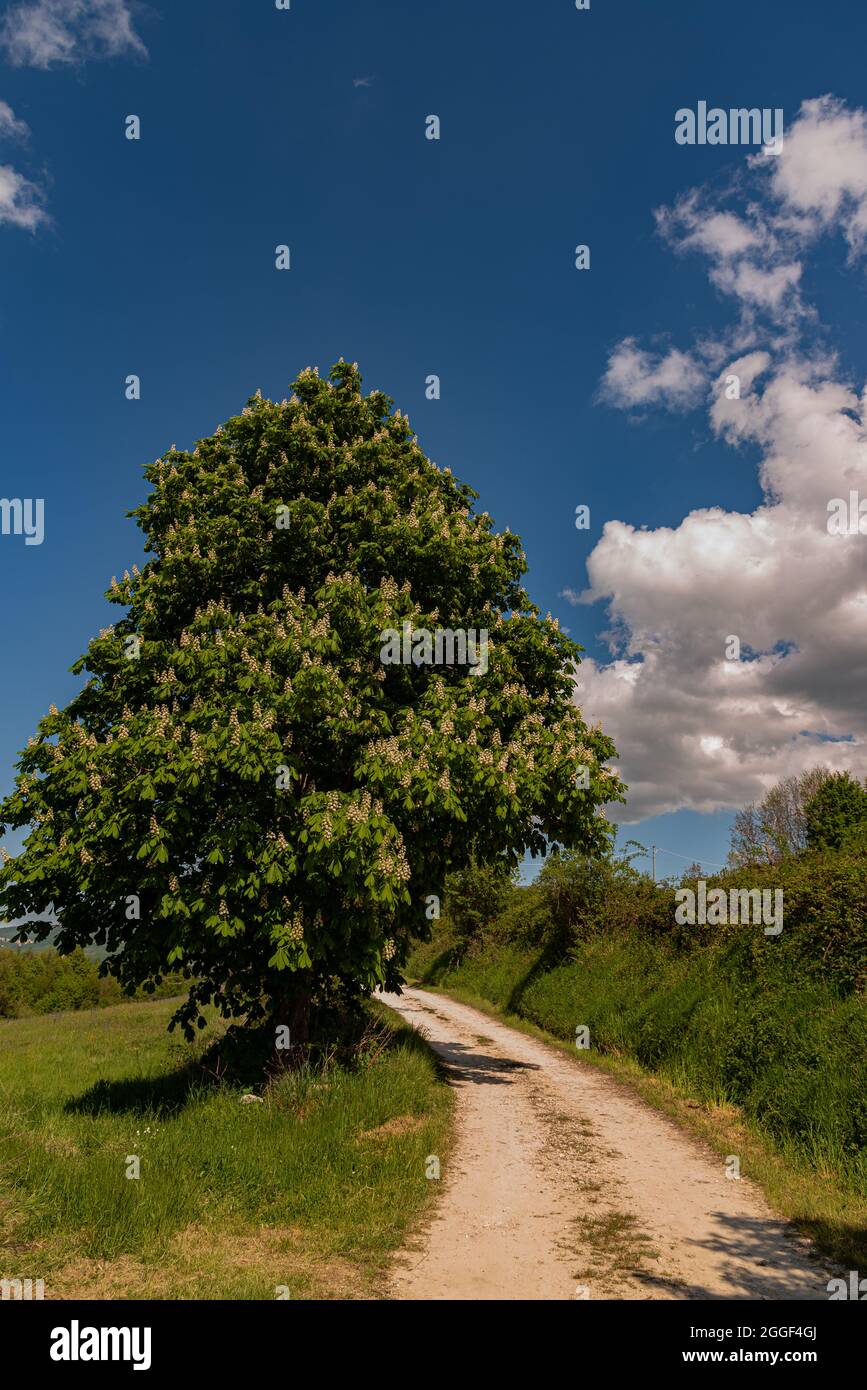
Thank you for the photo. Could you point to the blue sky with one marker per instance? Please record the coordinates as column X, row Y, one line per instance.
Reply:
column 454, row 257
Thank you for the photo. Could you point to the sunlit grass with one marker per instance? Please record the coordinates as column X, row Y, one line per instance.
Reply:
column 233, row 1199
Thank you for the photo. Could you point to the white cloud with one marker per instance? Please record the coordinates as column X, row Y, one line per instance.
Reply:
column 636, row 377
column 721, row 234
column 10, row 127
column 21, row 202
column 693, row 729
column 753, row 284
column 753, row 256
column 821, row 175
column 43, row 33
column 817, row 183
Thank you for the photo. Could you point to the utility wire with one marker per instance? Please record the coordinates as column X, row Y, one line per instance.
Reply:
column 691, row 858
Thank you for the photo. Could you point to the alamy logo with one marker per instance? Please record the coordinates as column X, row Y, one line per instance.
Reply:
column 738, row 126
column 444, row 647
column 23, row 517
column 21, row 1290
column 847, row 519
column 718, row 908
column 856, row 1288
column 77, row 1343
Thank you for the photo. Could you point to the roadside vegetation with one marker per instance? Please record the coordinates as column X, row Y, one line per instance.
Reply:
column 767, row 1034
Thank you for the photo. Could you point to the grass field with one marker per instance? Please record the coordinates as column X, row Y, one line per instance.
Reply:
column 306, row 1193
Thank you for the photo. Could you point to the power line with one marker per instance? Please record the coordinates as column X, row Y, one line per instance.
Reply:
column 693, row 858
column 690, row 859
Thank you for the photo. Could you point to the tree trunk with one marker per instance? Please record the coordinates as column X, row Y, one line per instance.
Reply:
column 291, row 1011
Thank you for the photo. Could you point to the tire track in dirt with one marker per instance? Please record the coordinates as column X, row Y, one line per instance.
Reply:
column 563, row 1184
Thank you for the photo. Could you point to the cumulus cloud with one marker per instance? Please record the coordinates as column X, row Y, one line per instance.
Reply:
column 717, row 233
column 45, row 33
column 21, row 202
column 751, row 259
column 10, row 127
column 816, row 184
column 636, row 377
column 694, row 729
column 769, row 288
column 821, row 175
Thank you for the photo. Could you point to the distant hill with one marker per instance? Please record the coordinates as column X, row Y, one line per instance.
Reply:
column 7, row 933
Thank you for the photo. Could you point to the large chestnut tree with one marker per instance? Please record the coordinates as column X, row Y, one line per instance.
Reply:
column 243, row 790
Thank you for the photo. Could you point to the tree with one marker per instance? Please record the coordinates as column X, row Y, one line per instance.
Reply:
column 252, row 785
column 475, row 897
column 837, row 807
column 777, row 826
column 586, row 893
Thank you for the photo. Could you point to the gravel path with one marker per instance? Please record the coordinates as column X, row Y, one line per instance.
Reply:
column 564, row 1184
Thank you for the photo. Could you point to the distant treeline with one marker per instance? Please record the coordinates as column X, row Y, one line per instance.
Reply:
column 42, row 982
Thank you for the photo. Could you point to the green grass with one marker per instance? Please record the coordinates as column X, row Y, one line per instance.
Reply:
column 310, row 1190
column 773, row 1069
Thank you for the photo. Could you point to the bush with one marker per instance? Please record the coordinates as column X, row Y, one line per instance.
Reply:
column 43, row 982
column 838, row 806
column 585, row 895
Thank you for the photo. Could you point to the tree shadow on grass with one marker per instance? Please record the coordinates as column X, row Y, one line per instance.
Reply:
column 241, row 1058
column 447, row 960
column 843, row 1240
column 153, row 1097
column 551, row 956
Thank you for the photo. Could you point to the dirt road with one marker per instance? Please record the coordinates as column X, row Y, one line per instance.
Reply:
column 563, row 1184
